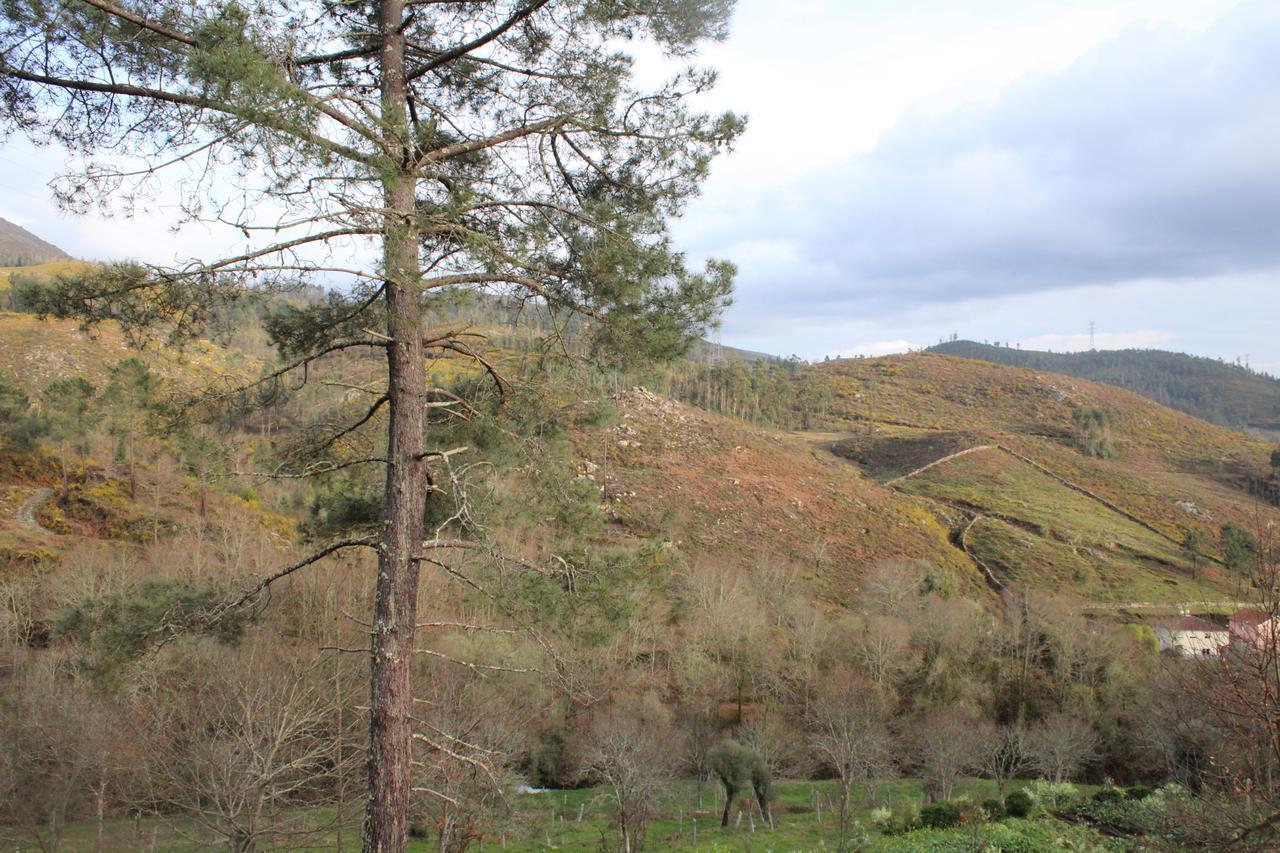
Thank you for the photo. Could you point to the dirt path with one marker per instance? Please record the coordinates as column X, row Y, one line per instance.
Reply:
column 944, row 459
column 26, row 515
column 992, row 581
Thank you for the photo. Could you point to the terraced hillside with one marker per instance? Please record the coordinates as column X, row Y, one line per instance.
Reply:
column 1002, row 448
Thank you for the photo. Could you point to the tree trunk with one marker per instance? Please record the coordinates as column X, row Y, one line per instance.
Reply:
column 396, row 592
column 728, row 805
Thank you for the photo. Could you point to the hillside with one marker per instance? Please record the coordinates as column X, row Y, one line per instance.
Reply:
column 1218, row 392
column 866, row 486
column 1001, row 447
column 19, row 247
column 54, row 500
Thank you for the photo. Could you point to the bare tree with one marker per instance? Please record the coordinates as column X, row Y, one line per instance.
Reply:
column 244, row 743
column 467, row 740
column 779, row 741
column 1229, row 711
column 894, row 587
column 945, row 745
column 1006, row 754
column 881, row 646
column 849, row 732
column 628, row 750
column 1061, row 745
column 698, row 732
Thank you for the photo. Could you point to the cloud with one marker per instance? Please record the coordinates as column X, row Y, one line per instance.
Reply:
column 1157, row 154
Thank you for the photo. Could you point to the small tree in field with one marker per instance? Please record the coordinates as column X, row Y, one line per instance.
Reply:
column 409, row 150
column 1007, row 754
column 946, row 744
column 849, row 733
column 631, row 754
column 1195, row 550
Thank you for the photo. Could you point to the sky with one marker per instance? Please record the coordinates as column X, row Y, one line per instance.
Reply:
column 1002, row 170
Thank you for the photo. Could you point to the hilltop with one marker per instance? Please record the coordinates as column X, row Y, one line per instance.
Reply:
column 1221, row 393
column 20, row 248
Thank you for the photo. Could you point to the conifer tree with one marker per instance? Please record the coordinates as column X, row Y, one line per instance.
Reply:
column 410, row 147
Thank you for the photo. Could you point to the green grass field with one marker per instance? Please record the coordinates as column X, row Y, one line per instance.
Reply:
column 578, row 820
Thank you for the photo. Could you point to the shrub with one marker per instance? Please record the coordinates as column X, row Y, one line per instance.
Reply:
column 1052, row 794
column 881, row 816
column 1019, row 804
column 941, row 815
column 1138, row 792
column 1108, row 795
column 994, row 808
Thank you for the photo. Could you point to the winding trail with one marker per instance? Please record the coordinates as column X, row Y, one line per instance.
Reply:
column 938, row 462
column 992, row 581
column 26, row 515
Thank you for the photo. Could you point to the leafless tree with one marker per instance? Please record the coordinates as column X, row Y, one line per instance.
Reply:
column 849, row 733
column 945, row 745
column 244, row 742
column 467, row 739
column 1230, row 710
column 628, row 750
column 1061, row 745
column 698, row 732
column 894, row 587
column 881, row 646
column 1006, row 755
column 779, row 741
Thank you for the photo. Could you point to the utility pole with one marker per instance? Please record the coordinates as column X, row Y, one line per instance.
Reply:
column 1092, row 343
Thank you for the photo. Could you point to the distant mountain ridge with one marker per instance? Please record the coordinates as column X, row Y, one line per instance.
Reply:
column 20, row 248
column 1215, row 391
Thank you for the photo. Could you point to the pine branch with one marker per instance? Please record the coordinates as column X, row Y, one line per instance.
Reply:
column 463, row 49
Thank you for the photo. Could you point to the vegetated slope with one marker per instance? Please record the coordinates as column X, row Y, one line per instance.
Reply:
column 19, row 247
column 1221, row 393
column 34, row 352
column 728, row 492
column 41, row 271
column 89, row 499
column 1048, row 512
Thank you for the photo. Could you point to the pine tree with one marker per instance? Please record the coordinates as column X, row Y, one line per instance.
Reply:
column 498, row 146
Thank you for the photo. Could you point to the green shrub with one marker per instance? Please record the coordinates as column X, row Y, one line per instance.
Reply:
column 1138, row 792
column 1052, row 795
column 942, row 815
column 1019, row 804
column 994, row 808
column 1108, row 795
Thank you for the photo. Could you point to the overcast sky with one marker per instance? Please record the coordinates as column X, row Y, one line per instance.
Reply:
column 1005, row 170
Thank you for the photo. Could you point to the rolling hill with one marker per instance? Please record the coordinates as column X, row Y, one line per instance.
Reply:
column 971, row 467
column 1218, row 392
column 995, row 450
column 20, row 248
